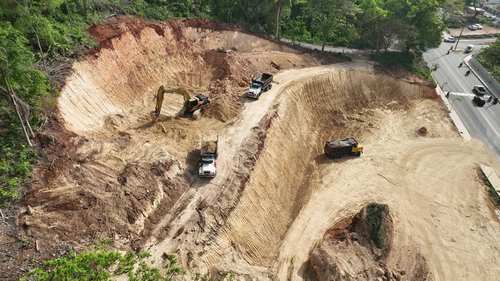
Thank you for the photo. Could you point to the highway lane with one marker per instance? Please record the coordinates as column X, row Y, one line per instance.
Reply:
column 482, row 123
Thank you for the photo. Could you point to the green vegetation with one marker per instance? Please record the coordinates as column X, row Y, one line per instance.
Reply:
column 406, row 60
column 490, row 59
column 375, row 216
column 103, row 264
column 33, row 33
column 374, row 24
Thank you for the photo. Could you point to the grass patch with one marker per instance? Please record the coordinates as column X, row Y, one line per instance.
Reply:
column 103, row 264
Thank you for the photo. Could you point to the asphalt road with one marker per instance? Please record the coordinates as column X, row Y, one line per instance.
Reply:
column 482, row 122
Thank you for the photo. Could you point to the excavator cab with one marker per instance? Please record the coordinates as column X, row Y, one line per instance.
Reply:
column 195, row 104
column 192, row 105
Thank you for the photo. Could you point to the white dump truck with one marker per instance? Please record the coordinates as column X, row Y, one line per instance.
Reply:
column 208, row 159
column 259, row 85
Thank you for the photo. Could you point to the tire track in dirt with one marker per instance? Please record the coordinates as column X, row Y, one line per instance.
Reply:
column 423, row 191
column 230, row 141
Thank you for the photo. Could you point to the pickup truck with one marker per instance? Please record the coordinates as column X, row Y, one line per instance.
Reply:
column 259, row 85
column 207, row 167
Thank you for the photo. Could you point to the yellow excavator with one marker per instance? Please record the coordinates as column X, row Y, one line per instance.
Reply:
column 192, row 104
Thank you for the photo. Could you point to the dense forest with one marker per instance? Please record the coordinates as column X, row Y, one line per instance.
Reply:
column 36, row 34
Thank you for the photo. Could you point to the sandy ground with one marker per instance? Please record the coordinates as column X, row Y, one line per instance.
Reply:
column 431, row 184
column 119, row 175
column 232, row 140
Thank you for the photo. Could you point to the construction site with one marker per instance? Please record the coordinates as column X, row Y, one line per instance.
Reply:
column 125, row 161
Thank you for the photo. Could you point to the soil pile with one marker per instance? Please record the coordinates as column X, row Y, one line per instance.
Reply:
column 357, row 249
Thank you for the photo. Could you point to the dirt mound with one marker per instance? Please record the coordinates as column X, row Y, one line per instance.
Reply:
column 357, row 249
column 117, row 169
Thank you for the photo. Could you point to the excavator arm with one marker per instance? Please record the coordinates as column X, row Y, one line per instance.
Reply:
column 161, row 94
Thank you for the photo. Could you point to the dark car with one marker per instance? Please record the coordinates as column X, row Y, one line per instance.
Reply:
column 479, row 90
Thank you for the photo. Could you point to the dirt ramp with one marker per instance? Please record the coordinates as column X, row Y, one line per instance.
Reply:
column 357, row 248
column 329, row 106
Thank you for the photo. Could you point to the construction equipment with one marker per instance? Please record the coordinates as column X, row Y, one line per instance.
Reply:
column 192, row 104
column 207, row 166
column 346, row 147
column 259, row 85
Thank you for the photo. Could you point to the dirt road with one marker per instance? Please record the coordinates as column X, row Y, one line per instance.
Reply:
column 231, row 141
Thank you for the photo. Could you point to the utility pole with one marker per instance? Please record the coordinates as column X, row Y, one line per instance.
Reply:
column 459, row 36
column 464, row 23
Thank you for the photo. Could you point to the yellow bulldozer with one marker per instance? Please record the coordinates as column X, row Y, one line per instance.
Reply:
column 192, row 104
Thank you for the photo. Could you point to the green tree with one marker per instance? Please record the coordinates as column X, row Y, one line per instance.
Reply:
column 333, row 21
column 490, row 58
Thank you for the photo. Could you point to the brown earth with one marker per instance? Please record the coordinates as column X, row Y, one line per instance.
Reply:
column 357, row 249
column 110, row 172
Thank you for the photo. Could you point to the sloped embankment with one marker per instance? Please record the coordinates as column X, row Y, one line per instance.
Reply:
column 329, row 106
column 112, row 168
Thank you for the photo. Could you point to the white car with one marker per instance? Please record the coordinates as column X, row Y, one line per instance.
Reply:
column 450, row 39
column 207, row 167
column 474, row 27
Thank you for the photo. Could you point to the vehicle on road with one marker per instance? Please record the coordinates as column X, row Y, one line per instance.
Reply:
column 259, row 85
column 468, row 49
column 450, row 39
column 479, row 90
column 478, row 101
column 475, row 27
column 341, row 148
column 207, row 166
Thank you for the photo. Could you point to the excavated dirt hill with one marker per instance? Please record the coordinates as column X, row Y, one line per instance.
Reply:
column 111, row 172
column 357, row 249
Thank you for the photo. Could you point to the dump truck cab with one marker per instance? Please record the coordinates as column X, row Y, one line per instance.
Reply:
column 259, row 85
column 341, row 148
column 207, row 166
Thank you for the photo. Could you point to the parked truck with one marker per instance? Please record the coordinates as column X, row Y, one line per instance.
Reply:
column 340, row 148
column 207, row 167
column 259, row 85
